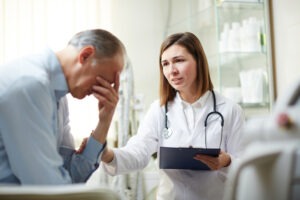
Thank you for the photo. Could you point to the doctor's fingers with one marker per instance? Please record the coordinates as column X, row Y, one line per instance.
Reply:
column 82, row 146
column 211, row 162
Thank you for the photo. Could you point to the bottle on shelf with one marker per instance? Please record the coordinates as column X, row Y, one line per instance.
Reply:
column 242, row 37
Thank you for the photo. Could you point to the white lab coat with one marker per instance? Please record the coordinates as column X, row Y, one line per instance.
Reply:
column 183, row 184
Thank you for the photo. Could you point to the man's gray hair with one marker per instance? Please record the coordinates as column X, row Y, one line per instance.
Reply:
column 106, row 44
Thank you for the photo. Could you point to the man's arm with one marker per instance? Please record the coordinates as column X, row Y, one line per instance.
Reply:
column 82, row 164
column 108, row 97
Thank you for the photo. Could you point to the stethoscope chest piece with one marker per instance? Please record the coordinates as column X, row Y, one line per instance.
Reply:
column 167, row 132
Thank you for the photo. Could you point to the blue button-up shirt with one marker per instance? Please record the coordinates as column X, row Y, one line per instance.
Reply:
column 32, row 148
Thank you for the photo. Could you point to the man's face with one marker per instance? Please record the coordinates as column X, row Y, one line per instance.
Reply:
column 85, row 77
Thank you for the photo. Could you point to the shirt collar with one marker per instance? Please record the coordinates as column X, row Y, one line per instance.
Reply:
column 57, row 77
column 197, row 104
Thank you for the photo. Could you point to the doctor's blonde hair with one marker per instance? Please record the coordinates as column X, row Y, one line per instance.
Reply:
column 192, row 44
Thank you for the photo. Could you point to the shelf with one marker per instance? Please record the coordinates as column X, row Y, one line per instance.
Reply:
column 243, row 54
column 256, row 111
column 242, row 61
column 254, row 105
column 248, row 5
column 235, row 94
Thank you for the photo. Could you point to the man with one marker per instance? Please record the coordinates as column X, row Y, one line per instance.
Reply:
column 33, row 149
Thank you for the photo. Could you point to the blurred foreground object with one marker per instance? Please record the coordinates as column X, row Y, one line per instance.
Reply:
column 63, row 192
column 270, row 166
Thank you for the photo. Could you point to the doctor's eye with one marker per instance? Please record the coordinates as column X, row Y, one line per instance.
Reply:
column 179, row 60
column 164, row 64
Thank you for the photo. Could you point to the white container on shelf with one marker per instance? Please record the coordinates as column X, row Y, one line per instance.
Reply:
column 234, row 38
column 253, row 85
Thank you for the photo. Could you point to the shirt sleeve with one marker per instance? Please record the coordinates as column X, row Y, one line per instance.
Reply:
column 81, row 166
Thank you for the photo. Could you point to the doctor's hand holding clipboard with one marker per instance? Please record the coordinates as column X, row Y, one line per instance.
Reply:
column 214, row 163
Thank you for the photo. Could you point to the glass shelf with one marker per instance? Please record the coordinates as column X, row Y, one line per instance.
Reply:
column 241, row 5
column 242, row 59
column 256, row 111
column 255, row 105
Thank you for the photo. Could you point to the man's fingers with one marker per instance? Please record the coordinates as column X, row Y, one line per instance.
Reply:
column 117, row 82
column 107, row 90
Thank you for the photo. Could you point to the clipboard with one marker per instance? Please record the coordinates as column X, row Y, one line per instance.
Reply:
column 183, row 158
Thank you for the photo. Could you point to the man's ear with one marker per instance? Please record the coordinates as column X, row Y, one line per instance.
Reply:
column 85, row 53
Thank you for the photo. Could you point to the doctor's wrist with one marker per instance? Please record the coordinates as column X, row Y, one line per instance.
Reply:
column 107, row 155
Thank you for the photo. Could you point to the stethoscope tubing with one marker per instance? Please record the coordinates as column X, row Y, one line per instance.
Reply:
column 206, row 119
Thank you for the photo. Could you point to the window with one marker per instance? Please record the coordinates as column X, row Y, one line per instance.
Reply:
column 27, row 26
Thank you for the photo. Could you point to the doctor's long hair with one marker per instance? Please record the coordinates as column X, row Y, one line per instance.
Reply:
column 194, row 47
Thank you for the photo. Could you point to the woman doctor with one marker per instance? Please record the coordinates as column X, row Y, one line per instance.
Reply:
column 186, row 89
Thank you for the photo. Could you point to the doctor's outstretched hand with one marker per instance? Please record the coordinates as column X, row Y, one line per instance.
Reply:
column 215, row 163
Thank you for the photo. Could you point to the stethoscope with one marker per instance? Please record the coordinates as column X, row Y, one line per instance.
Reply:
column 167, row 132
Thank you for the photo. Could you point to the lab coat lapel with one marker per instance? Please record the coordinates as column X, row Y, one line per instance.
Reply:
column 176, row 116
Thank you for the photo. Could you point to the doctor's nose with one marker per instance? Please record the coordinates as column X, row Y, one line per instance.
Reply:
column 173, row 69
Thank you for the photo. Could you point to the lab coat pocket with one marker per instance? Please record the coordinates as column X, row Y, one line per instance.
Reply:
column 222, row 176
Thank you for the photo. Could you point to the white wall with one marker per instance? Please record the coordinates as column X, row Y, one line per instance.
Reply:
column 140, row 25
column 287, row 42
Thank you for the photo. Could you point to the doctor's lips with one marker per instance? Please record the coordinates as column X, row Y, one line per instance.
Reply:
column 176, row 80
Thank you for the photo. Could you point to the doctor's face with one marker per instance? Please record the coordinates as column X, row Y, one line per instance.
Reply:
column 179, row 68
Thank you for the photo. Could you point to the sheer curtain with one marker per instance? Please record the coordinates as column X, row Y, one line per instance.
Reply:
column 27, row 26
